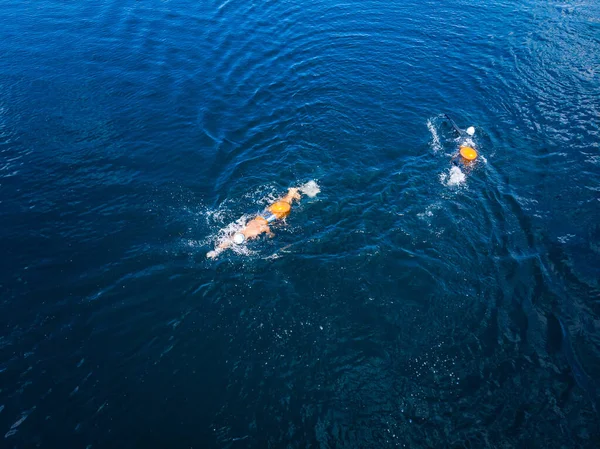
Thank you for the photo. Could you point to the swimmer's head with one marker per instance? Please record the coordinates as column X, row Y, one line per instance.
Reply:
column 280, row 209
column 468, row 153
column 471, row 130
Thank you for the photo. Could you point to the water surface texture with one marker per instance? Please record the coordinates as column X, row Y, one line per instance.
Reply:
column 414, row 303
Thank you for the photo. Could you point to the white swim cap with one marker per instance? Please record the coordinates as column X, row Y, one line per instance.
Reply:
column 238, row 238
column 471, row 130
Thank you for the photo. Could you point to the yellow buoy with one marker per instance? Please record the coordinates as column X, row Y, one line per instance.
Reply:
column 468, row 153
column 280, row 209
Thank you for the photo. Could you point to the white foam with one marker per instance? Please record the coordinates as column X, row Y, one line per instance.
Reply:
column 468, row 142
column 214, row 216
column 310, row 189
column 454, row 177
column 263, row 195
column 225, row 234
column 565, row 238
column 436, row 145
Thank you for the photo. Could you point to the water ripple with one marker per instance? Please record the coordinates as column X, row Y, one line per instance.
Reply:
column 414, row 301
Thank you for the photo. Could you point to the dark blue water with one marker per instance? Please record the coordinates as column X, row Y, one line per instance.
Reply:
column 413, row 303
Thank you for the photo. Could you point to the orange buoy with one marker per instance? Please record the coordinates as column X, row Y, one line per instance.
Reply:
column 468, row 153
column 280, row 209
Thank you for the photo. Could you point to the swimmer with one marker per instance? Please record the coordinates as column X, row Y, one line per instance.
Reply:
column 466, row 146
column 260, row 224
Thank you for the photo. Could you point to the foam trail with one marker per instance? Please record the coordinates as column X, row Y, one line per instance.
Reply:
column 436, row 144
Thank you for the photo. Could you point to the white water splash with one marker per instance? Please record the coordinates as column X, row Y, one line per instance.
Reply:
column 227, row 232
column 467, row 142
column 215, row 215
column 454, row 177
column 310, row 189
column 436, row 144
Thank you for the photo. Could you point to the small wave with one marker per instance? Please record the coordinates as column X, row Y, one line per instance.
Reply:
column 223, row 5
column 21, row 420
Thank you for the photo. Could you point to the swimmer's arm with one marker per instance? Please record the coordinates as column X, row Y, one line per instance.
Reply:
column 293, row 194
column 219, row 249
column 267, row 230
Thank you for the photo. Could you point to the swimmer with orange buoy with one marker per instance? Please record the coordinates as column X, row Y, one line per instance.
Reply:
column 279, row 210
column 467, row 147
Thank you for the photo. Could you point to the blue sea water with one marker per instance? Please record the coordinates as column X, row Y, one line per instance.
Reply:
column 414, row 303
